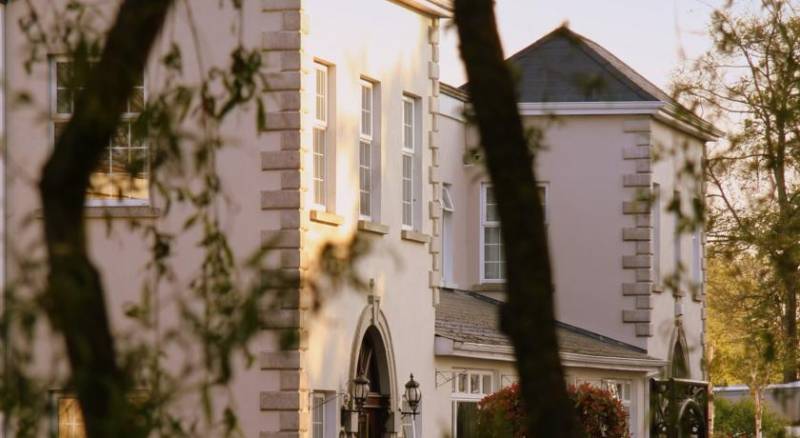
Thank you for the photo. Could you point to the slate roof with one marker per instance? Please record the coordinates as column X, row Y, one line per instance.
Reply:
column 470, row 317
column 564, row 66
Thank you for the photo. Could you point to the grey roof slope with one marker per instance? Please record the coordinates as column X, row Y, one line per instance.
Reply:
column 470, row 317
column 564, row 66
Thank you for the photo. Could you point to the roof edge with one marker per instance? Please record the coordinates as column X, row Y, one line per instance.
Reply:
column 590, row 108
column 453, row 91
column 506, row 354
column 436, row 8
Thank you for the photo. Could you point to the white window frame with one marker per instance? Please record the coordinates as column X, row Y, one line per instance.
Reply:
column 318, row 401
column 697, row 258
column 677, row 240
column 367, row 138
column 485, row 187
column 655, row 212
column 458, row 396
column 448, row 250
column 320, row 159
column 410, row 154
column 56, row 117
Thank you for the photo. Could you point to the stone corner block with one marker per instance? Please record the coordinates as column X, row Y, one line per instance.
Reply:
column 636, row 261
column 280, row 199
column 644, row 330
column 637, row 288
column 280, row 400
column 636, row 316
column 280, row 160
column 280, row 360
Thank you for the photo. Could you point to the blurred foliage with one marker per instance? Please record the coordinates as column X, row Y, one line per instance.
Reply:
column 230, row 297
column 737, row 420
column 747, row 83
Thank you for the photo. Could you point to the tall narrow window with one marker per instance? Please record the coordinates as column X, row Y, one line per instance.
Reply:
column 320, row 136
column 676, row 242
column 447, row 235
column 122, row 175
column 409, row 150
column 493, row 265
column 365, row 165
column 655, row 214
column 318, row 415
column 697, row 257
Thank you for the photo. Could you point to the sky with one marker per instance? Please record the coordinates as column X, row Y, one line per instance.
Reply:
column 652, row 36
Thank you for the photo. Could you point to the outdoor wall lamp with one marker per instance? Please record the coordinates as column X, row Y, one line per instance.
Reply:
column 360, row 391
column 413, row 396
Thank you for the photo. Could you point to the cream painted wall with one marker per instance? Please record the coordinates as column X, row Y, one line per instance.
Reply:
column 677, row 148
column 121, row 253
column 391, row 48
column 582, row 167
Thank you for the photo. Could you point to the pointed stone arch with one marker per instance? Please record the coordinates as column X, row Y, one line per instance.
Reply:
column 679, row 355
column 373, row 332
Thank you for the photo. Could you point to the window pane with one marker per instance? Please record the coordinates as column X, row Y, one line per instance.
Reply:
column 466, row 420
column 462, row 383
column 408, row 124
column 366, row 110
column 63, row 101
column 319, row 166
column 491, row 206
column 322, row 94
column 365, row 177
column 408, row 174
column 487, row 384
column 475, row 383
column 70, row 419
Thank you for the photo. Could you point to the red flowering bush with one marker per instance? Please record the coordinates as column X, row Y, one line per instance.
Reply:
column 502, row 414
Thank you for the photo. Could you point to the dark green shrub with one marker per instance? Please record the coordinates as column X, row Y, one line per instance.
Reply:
column 737, row 419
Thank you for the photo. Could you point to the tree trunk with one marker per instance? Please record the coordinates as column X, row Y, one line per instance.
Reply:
column 758, row 411
column 528, row 316
column 75, row 295
column 787, row 273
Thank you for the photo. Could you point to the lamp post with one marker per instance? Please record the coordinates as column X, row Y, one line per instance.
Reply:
column 412, row 395
column 360, row 391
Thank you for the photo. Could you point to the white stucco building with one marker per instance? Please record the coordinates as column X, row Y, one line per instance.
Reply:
column 363, row 138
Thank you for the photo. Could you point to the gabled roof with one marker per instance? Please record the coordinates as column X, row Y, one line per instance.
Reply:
column 564, row 67
column 472, row 318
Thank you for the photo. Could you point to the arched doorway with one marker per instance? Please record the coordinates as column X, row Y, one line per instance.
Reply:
column 372, row 363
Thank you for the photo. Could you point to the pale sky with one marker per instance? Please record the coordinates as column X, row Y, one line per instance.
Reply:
column 648, row 35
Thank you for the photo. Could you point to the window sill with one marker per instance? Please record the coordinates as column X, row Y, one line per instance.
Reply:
column 658, row 288
column 373, row 227
column 324, row 217
column 490, row 287
column 413, row 236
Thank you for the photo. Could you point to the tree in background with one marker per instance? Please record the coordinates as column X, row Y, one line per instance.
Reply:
column 743, row 320
column 528, row 316
column 748, row 81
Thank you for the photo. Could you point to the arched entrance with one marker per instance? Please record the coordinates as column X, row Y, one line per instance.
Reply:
column 374, row 421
